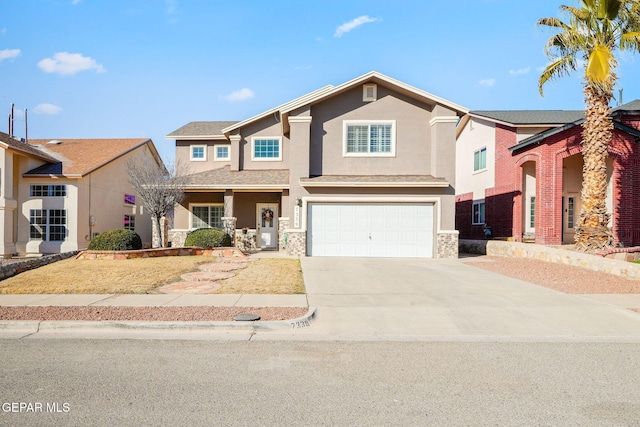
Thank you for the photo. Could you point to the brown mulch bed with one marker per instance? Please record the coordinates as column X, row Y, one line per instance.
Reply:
column 182, row 314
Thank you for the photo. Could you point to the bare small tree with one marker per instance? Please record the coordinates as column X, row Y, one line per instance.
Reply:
column 160, row 187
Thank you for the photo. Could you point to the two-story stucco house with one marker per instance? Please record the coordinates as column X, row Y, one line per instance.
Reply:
column 520, row 174
column 57, row 194
column 365, row 168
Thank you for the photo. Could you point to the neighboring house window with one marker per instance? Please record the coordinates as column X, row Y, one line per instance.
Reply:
column 130, row 222
column 198, row 153
column 207, row 216
column 480, row 159
column 532, row 211
column 266, row 149
column 129, row 200
column 369, row 138
column 48, row 224
column 38, row 190
column 221, row 153
column 478, row 212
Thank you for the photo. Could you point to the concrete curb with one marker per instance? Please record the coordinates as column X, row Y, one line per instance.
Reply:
column 24, row 328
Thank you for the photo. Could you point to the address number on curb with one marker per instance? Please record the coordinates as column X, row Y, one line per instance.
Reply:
column 300, row 324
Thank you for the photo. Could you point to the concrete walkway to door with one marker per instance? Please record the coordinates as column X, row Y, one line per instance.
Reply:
column 434, row 299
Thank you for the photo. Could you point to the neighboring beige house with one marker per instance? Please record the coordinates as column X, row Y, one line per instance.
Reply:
column 57, row 194
column 366, row 168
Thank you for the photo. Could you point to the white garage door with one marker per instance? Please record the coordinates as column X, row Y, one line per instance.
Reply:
column 370, row 230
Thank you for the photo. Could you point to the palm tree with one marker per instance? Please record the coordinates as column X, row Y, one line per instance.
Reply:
column 590, row 37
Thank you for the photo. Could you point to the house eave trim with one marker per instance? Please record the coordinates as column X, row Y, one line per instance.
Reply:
column 438, row 184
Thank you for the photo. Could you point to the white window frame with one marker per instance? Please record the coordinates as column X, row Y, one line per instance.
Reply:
column 132, row 222
column 266, row 159
column 365, row 90
column 192, row 205
column 48, row 225
column 345, row 127
column 50, row 188
column 198, row 159
column 478, row 151
column 216, row 157
column 473, row 212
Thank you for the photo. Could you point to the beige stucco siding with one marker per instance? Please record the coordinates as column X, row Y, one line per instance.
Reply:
column 188, row 166
column 412, row 135
column 267, row 128
column 476, row 135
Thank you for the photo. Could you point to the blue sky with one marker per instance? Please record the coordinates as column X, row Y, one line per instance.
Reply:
column 121, row 68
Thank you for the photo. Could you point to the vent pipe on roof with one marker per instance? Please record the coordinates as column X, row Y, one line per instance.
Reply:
column 54, row 142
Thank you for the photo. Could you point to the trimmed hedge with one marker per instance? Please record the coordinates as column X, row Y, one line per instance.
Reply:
column 207, row 238
column 117, row 239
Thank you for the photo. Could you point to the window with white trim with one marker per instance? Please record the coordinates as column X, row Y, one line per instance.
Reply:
column 45, row 190
column 369, row 92
column 266, row 148
column 48, row 224
column 221, row 153
column 478, row 213
column 198, row 153
column 207, row 216
column 480, row 159
column 370, row 138
column 129, row 222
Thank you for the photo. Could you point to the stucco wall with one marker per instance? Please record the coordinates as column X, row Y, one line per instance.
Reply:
column 476, row 134
column 183, row 156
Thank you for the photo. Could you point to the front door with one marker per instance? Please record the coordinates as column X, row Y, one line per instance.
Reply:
column 267, row 225
column 571, row 207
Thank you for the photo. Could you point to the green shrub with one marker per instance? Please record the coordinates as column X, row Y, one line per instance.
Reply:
column 207, row 238
column 117, row 239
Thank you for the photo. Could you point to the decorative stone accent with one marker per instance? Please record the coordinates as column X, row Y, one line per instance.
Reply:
column 283, row 224
column 177, row 238
column 296, row 242
column 17, row 267
column 245, row 241
column 229, row 226
column 447, row 244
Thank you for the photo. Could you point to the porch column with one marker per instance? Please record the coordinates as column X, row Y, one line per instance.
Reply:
column 228, row 220
column 299, row 159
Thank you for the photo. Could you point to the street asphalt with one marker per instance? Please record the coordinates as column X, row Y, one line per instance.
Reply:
column 370, row 299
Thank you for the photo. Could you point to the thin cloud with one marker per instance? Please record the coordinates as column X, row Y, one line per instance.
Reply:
column 9, row 53
column 520, row 72
column 352, row 25
column 240, row 95
column 172, row 5
column 487, row 82
column 302, row 67
column 3, row 30
column 47, row 109
column 69, row 63
column 75, row 1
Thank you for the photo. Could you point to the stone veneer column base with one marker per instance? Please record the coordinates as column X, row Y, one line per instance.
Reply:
column 296, row 242
column 447, row 244
column 283, row 224
column 229, row 226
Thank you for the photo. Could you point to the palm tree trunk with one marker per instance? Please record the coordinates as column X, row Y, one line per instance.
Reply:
column 592, row 231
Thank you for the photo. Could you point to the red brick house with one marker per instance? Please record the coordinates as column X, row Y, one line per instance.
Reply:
column 526, row 177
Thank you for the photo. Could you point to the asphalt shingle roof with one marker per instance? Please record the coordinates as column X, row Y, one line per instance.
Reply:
column 532, row 117
column 25, row 148
column 374, row 179
column 201, row 129
column 225, row 178
column 78, row 157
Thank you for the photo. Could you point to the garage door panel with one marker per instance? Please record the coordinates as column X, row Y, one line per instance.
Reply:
column 370, row 230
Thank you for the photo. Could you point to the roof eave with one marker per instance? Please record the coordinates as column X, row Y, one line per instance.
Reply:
column 434, row 184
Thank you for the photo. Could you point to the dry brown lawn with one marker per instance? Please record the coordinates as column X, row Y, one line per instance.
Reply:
column 144, row 276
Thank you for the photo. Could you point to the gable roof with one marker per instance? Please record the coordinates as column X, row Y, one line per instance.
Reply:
column 10, row 143
column 329, row 91
column 224, row 178
column 79, row 157
column 200, row 130
column 632, row 108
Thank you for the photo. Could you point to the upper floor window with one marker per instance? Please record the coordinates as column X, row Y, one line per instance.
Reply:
column 266, row 149
column 480, row 159
column 199, row 153
column 369, row 92
column 221, row 153
column 374, row 138
column 38, row 190
column 129, row 199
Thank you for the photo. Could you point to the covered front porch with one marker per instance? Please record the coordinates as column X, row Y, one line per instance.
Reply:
column 245, row 204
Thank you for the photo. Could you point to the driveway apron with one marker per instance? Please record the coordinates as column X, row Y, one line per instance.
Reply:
column 448, row 299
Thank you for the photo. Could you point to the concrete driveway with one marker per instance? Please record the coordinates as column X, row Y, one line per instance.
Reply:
column 372, row 298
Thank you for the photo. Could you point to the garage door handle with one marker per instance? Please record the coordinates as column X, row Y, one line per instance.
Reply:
column 369, row 236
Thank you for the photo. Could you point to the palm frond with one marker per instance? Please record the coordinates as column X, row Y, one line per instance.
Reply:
column 560, row 67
